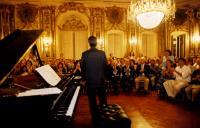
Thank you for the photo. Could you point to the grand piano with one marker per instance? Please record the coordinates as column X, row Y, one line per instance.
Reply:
column 43, row 105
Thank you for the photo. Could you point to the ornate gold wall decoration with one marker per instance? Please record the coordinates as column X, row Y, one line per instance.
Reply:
column 115, row 18
column 184, row 27
column 72, row 6
column 96, row 15
column 96, row 21
column 7, row 22
column 182, row 21
column 180, row 17
column 73, row 23
column 114, row 15
column 27, row 13
column 47, row 23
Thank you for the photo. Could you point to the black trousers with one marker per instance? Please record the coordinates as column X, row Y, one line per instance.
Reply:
column 92, row 93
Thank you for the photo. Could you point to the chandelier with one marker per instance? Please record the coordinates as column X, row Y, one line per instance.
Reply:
column 150, row 13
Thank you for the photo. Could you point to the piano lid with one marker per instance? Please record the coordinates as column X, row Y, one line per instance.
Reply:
column 13, row 48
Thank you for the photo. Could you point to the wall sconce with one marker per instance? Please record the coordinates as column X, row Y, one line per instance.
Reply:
column 47, row 42
column 196, row 42
column 133, row 40
column 133, row 43
column 100, row 42
column 196, row 39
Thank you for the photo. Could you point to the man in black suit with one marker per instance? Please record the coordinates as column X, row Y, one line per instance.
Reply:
column 93, row 64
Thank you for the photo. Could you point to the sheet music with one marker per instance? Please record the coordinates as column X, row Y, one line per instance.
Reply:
column 49, row 75
column 42, row 91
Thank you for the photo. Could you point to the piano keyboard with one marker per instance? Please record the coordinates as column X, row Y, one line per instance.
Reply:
column 73, row 102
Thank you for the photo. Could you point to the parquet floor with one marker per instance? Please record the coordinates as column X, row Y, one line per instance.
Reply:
column 145, row 112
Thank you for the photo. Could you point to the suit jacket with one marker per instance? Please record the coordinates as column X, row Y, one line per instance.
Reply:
column 93, row 64
column 146, row 70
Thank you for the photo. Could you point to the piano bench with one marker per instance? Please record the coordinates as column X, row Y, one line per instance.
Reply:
column 112, row 116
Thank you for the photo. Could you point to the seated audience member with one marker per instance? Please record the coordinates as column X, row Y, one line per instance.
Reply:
column 109, row 71
column 116, row 72
column 77, row 70
column 29, row 66
column 17, row 71
column 60, row 69
column 32, row 57
column 167, row 56
column 142, row 72
column 158, row 63
column 24, row 71
column 166, row 73
column 70, row 67
column 182, row 75
column 193, row 90
column 197, row 63
column 111, row 56
column 155, row 71
column 190, row 64
column 53, row 65
column 128, row 73
column 23, row 63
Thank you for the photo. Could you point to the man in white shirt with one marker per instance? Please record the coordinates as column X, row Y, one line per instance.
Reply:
column 182, row 75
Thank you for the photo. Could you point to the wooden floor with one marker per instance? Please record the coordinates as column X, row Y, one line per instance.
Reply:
column 145, row 112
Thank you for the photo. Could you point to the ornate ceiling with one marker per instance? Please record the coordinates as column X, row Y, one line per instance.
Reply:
column 179, row 3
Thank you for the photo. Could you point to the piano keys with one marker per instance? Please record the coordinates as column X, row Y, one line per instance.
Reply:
column 71, row 107
column 29, row 98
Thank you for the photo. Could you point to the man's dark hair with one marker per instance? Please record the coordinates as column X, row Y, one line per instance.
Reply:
column 92, row 41
column 182, row 60
column 170, row 53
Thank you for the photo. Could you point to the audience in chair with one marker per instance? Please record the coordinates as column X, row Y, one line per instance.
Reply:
column 182, row 75
column 142, row 73
column 193, row 90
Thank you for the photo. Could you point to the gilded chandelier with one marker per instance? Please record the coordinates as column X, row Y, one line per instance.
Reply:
column 150, row 13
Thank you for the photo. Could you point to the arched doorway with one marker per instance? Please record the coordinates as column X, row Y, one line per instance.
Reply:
column 72, row 34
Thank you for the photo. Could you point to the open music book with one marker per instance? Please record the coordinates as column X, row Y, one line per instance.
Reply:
column 41, row 91
column 49, row 75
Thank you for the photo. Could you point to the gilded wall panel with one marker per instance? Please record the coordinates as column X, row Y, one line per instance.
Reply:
column 7, row 19
column 72, row 6
column 115, row 18
column 47, row 23
column 96, row 20
column 27, row 16
column 73, row 23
